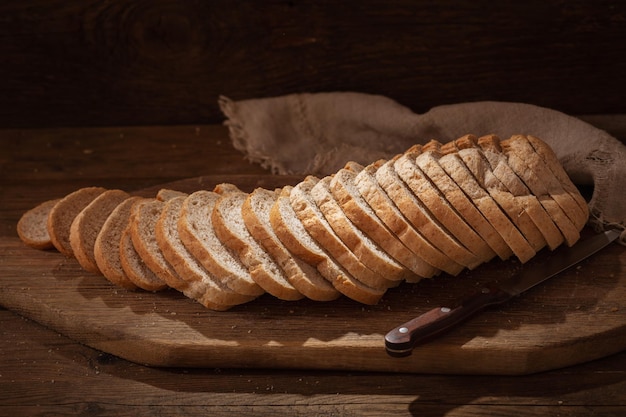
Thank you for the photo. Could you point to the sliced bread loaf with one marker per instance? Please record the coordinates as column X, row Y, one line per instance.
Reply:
column 200, row 284
column 303, row 276
column 196, row 231
column 32, row 226
column 63, row 214
column 87, row 224
column 358, row 210
column 230, row 228
column 107, row 246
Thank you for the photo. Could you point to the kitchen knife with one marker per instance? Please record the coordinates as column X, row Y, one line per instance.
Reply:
column 400, row 341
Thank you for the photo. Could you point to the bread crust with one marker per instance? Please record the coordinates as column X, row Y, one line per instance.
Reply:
column 107, row 245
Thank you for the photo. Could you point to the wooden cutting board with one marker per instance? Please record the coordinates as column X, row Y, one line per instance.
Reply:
column 575, row 317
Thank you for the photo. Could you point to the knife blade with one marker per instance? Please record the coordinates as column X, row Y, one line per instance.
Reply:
column 400, row 341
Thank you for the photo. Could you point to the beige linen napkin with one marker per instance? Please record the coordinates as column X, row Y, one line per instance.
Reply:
column 318, row 133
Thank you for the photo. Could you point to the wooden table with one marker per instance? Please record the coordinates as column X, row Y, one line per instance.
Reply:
column 45, row 373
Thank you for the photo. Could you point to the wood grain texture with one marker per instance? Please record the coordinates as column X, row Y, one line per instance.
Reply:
column 121, row 62
column 574, row 318
column 44, row 373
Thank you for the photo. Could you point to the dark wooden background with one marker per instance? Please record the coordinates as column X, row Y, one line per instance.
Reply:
column 163, row 62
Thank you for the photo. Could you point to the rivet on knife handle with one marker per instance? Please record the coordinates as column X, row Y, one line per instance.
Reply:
column 401, row 340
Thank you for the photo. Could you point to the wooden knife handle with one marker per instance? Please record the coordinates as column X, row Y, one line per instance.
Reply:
column 400, row 341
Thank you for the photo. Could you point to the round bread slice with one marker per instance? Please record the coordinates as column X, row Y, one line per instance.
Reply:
column 107, row 246
column 539, row 183
column 230, row 228
column 134, row 267
column 195, row 228
column 388, row 212
column 303, row 276
column 63, row 214
column 200, row 284
column 365, row 218
column 144, row 216
column 420, row 217
column 32, row 227
column 408, row 170
column 88, row 223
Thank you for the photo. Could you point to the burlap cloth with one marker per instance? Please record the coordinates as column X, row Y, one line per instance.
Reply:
column 318, row 133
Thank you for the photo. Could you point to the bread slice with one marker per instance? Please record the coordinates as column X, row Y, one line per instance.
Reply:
column 365, row 249
column 409, row 171
column 87, row 224
column 420, row 217
column 32, row 226
column 544, row 186
column 230, row 228
column 388, row 212
column 107, row 246
column 558, row 191
column 514, row 207
column 135, row 268
column 195, row 228
column 319, row 228
column 464, row 178
column 364, row 217
column 166, row 194
column 428, row 162
column 291, row 232
column 63, row 214
column 303, row 276
column 534, row 221
column 201, row 286
column 144, row 216
column 553, row 163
